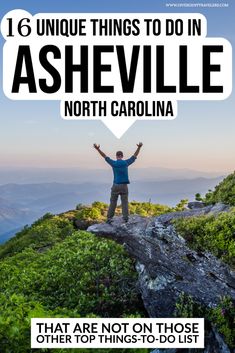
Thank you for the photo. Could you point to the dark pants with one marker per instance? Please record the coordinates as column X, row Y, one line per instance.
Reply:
column 116, row 190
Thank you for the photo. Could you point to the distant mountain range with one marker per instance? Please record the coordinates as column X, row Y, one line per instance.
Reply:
column 21, row 204
column 12, row 217
column 75, row 175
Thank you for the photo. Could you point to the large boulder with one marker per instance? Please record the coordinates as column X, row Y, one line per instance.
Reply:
column 196, row 204
column 165, row 263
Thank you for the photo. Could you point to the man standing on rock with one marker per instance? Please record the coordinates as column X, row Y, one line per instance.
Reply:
column 121, row 179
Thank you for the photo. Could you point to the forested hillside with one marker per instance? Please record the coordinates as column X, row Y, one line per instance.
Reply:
column 54, row 269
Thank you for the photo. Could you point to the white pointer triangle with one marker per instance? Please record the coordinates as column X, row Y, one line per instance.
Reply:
column 118, row 127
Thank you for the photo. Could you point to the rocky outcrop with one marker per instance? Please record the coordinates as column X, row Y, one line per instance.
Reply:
column 196, row 204
column 165, row 263
column 83, row 224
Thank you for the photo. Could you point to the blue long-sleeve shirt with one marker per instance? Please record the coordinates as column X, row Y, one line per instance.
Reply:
column 120, row 169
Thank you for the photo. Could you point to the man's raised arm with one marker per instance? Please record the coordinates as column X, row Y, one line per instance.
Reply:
column 97, row 147
column 139, row 145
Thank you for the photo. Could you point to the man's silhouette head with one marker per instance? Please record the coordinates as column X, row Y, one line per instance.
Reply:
column 119, row 154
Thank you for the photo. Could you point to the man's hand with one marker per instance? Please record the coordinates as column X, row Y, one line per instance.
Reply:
column 97, row 147
column 139, row 145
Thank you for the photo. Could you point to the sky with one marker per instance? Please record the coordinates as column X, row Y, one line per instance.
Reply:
column 33, row 134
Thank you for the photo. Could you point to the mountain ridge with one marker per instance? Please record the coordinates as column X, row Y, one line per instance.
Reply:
column 40, row 198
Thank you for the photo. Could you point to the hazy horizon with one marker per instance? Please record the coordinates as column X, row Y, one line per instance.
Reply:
column 38, row 175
